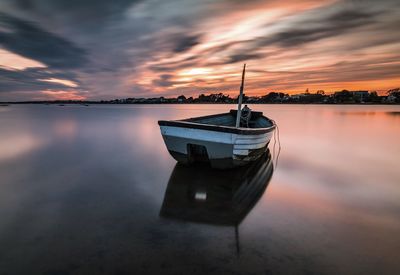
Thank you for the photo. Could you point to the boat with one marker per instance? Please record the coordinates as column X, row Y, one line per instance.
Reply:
column 225, row 140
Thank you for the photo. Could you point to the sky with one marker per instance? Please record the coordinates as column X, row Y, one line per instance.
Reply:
column 101, row 49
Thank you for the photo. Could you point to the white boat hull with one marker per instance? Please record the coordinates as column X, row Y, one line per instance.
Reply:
column 222, row 149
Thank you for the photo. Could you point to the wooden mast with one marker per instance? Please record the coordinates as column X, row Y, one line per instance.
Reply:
column 239, row 111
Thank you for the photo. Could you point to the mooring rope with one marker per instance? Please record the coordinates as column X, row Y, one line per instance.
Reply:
column 279, row 144
column 275, row 157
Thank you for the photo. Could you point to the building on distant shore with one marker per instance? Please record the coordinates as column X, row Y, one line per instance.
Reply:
column 340, row 97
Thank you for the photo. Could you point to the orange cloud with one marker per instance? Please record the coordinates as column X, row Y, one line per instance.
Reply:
column 63, row 95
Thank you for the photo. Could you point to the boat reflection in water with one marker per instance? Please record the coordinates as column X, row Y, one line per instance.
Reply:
column 201, row 194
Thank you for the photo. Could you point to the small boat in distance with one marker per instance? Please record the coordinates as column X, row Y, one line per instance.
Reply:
column 224, row 140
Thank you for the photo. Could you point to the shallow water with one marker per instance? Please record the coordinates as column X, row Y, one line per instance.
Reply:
column 83, row 191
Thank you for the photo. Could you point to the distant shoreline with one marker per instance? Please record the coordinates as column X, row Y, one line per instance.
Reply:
column 3, row 104
column 342, row 97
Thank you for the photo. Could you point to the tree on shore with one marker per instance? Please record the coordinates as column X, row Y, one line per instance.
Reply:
column 394, row 95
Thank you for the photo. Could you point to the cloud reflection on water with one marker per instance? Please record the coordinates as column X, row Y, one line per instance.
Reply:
column 88, row 199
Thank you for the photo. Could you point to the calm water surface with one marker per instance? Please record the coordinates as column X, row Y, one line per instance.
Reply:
column 83, row 191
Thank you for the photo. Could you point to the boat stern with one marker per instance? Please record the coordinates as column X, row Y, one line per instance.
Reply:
column 222, row 150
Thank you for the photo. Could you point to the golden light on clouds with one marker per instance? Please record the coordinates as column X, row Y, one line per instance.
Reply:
column 196, row 71
column 63, row 95
column 17, row 62
column 64, row 82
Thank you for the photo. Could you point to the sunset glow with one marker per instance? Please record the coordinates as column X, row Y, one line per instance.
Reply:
column 63, row 95
column 65, row 82
column 153, row 48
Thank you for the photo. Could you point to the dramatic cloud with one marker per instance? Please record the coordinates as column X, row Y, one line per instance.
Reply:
column 243, row 57
column 185, row 43
column 29, row 40
column 101, row 49
column 320, row 28
column 163, row 81
column 31, row 80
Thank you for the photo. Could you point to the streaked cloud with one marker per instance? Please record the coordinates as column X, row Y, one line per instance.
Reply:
column 126, row 48
column 32, row 79
column 16, row 62
column 27, row 39
column 65, row 82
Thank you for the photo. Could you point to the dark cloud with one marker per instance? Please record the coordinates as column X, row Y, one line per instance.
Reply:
column 87, row 6
column 30, row 40
column 187, row 42
column 163, row 81
column 86, row 13
column 32, row 80
column 176, row 65
column 243, row 57
column 319, row 28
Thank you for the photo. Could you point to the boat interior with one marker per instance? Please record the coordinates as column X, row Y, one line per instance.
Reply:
column 257, row 120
